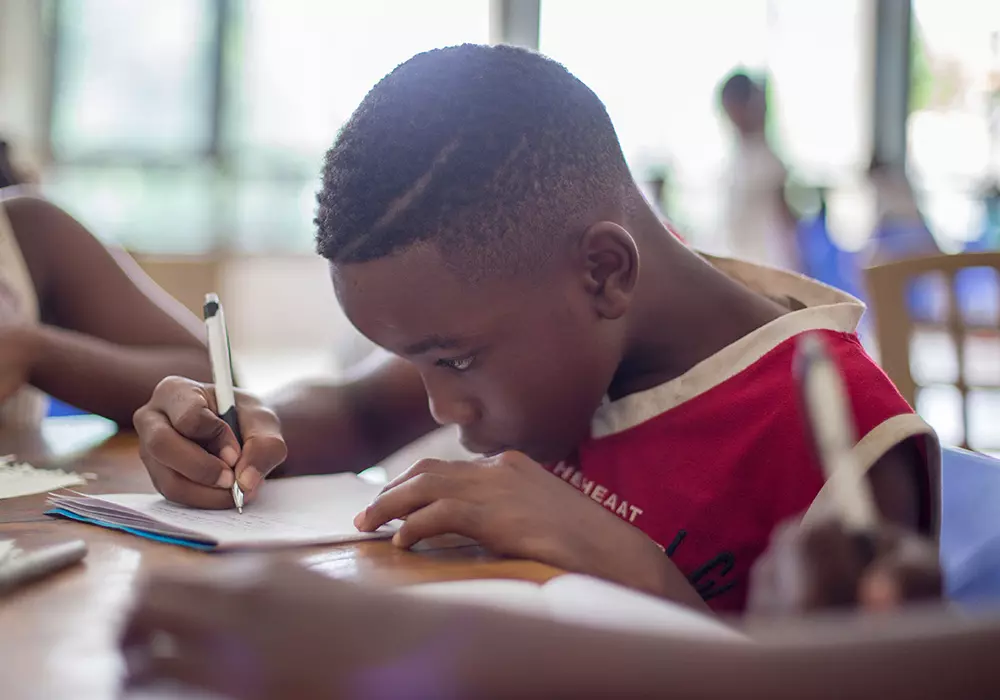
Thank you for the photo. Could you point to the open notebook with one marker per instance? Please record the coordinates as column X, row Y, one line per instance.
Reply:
column 582, row 600
column 300, row 511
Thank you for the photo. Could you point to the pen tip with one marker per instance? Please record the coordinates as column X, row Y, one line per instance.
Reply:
column 239, row 509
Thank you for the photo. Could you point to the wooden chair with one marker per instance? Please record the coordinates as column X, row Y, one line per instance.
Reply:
column 889, row 288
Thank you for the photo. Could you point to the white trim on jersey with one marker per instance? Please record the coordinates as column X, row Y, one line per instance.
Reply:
column 826, row 308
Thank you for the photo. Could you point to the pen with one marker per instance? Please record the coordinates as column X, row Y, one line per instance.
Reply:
column 19, row 567
column 222, row 375
column 828, row 412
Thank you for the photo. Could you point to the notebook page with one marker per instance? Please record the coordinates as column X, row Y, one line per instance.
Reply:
column 300, row 510
column 596, row 603
column 106, row 513
column 518, row 596
column 583, row 600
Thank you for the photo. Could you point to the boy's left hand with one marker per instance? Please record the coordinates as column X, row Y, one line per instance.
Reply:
column 513, row 506
column 826, row 566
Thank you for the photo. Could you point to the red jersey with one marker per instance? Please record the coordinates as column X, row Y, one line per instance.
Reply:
column 710, row 462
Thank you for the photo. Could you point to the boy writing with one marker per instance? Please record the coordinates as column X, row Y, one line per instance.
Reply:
column 634, row 401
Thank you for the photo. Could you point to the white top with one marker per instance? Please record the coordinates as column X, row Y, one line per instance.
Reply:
column 18, row 305
column 755, row 228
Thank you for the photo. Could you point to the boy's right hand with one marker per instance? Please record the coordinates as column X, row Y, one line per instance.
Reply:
column 192, row 455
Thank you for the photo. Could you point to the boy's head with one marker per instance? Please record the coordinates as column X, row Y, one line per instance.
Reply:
column 744, row 102
column 474, row 210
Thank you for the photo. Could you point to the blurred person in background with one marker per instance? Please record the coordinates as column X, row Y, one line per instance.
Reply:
column 78, row 322
column 760, row 226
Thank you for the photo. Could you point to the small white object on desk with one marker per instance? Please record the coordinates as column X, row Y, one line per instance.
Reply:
column 6, row 549
column 22, row 479
column 18, row 567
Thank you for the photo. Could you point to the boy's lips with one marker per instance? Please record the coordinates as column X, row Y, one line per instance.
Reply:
column 481, row 449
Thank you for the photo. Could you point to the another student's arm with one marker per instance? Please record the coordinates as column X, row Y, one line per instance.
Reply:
column 329, row 639
column 107, row 336
column 310, row 428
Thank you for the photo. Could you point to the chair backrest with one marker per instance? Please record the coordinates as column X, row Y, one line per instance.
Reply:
column 935, row 294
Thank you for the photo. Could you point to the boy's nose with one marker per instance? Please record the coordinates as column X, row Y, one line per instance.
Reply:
column 449, row 409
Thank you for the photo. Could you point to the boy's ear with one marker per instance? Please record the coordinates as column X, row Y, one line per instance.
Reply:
column 610, row 267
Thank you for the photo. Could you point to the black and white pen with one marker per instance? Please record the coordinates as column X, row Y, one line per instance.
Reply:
column 222, row 375
column 831, row 422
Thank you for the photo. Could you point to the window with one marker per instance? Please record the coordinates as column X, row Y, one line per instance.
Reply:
column 131, row 80
column 954, row 127
column 189, row 125
column 657, row 65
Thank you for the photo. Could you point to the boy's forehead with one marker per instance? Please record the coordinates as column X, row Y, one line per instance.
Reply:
column 416, row 266
column 416, row 292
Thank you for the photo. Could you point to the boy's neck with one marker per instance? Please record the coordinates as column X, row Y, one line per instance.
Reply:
column 685, row 312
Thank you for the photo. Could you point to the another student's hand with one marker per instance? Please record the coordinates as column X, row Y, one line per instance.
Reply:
column 260, row 629
column 514, row 507
column 825, row 567
column 192, row 455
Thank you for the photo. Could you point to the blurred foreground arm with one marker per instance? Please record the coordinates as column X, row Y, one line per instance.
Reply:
column 310, row 637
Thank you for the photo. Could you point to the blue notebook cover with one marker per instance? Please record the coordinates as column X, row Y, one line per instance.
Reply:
column 201, row 546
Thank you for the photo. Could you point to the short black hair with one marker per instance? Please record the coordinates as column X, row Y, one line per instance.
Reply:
column 485, row 151
column 737, row 88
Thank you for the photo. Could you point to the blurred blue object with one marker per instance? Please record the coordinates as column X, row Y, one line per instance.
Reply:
column 977, row 297
column 59, row 409
column 977, row 294
column 927, row 298
column 823, row 260
column 970, row 526
column 895, row 239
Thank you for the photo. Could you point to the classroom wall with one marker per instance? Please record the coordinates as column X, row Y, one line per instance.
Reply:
column 282, row 314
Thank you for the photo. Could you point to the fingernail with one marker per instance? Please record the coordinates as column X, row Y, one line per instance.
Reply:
column 359, row 519
column 225, row 480
column 249, row 479
column 229, row 455
column 396, row 539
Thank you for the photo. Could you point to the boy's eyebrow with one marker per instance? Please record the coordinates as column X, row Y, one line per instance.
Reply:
column 431, row 342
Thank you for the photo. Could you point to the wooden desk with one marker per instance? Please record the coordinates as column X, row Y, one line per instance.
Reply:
column 58, row 638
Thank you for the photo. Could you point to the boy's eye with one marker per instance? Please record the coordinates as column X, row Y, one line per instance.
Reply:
column 459, row 364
